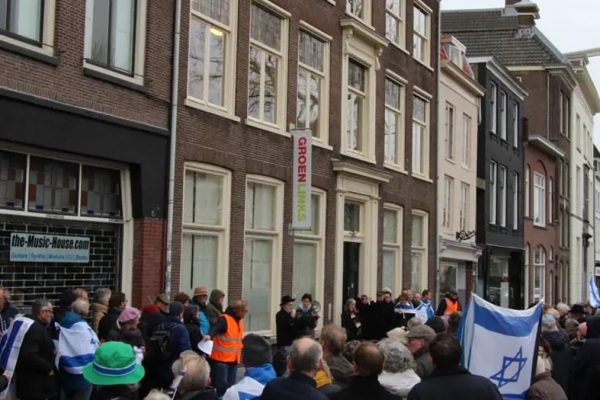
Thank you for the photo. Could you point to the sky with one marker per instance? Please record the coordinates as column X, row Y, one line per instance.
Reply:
column 571, row 25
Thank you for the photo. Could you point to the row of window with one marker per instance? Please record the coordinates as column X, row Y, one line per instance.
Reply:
column 500, row 118
column 543, row 204
column 448, row 209
column 583, row 139
column 205, row 239
column 42, row 185
column 498, row 181
column 463, row 138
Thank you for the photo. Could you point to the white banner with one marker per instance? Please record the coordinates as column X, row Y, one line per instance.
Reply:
column 302, row 179
column 28, row 247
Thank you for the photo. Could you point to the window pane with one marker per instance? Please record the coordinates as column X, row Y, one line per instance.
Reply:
column 418, row 149
column 196, row 60
column 217, row 61
column 354, row 123
column 356, row 76
column 260, row 207
column 391, row 28
column 254, row 70
column 352, row 217
column 391, row 126
column 25, row 18
column 419, row 108
column 12, row 180
column 199, row 261
column 393, row 6
column 355, row 7
column 203, row 198
column 420, row 21
column 415, row 271
column 256, row 285
column 302, row 102
column 417, row 230
column 305, row 269
column 388, row 275
column 315, row 101
column 100, row 27
column 271, row 66
column 100, row 192
column 392, row 94
column 390, row 226
column 122, row 34
column 316, row 213
column 311, row 51
column 265, row 27
column 215, row 9
column 53, row 186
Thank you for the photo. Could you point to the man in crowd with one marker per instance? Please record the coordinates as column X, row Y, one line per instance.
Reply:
column 449, row 304
column 368, row 360
column 333, row 340
column 449, row 381
column 35, row 372
column 116, row 304
column 227, row 334
column 587, row 363
column 256, row 357
column 199, row 300
column 214, row 308
column 162, row 302
column 303, row 363
column 100, row 306
column 562, row 357
column 285, row 322
column 7, row 312
column 419, row 339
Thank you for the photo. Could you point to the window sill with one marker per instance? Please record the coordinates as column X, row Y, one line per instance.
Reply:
column 361, row 20
column 423, row 64
column 332, row 2
column 465, row 167
column 322, row 144
column 539, row 226
column 450, row 160
column 203, row 107
column 358, row 156
column 25, row 49
column 269, row 128
column 421, row 177
column 395, row 167
column 111, row 77
column 397, row 46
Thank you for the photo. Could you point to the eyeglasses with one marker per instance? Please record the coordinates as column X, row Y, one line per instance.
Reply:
column 46, row 310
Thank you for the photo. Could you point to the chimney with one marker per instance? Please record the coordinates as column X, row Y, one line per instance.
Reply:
column 526, row 10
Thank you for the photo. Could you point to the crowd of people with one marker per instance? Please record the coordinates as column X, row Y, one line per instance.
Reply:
column 190, row 348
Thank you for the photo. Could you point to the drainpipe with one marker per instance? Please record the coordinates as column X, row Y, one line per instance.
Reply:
column 173, row 145
column 439, row 157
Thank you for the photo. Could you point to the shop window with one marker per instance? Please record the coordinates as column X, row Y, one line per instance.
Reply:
column 12, row 180
column 100, row 192
column 53, row 186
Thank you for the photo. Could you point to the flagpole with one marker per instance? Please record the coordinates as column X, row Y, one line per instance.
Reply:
column 538, row 339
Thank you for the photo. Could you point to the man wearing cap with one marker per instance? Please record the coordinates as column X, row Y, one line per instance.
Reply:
column 114, row 372
column 227, row 334
column 162, row 302
column 199, row 300
column 285, row 322
column 419, row 338
column 449, row 304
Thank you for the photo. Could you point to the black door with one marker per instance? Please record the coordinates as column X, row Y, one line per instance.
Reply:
column 351, row 265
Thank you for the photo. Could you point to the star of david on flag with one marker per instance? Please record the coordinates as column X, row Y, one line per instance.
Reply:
column 500, row 344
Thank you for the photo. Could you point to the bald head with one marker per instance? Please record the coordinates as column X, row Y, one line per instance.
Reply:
column 305, row 356
column 369, row 360
column 240, row 308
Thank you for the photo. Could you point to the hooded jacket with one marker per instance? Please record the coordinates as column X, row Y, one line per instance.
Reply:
column 213, row 308
column 587, row 364
column 562, row 358
column 252, row 384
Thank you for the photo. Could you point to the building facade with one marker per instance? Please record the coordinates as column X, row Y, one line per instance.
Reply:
column 363, row 79
column 459, row 104
column 500, row 274
column 83, row 146
column 596, row 211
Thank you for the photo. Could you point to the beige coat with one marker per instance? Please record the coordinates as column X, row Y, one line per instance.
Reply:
column 98, row 311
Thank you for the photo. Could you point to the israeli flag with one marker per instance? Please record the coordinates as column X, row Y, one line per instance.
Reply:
column 76, row 347
column 500, row 344
column 10, row 346
column 593, row 290
column 424, row 311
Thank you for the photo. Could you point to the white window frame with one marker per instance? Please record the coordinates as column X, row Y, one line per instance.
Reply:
column 503, row 115
column 46, row 46
column 400, row 19
column 550, row 200
column 493, row 178
column 448, row 201
column 502, row 183
column 422, row 250
column 227, row 110
column 515, row 124
column 276, row 236
column 539, row 268
column 578, row 194
column 399, row 162
column 450, row 131
column 137, row 76
column 539, row 199
column 494, row 108
column 424, row 144
column 318, row 240
column 426, row 37
column 527, row 189
column 527, row 272
column 367, row 15
column 561, row 100
column 395, row 246
column 279, row 126
column 465, row 194
column 323, row 138
column 515, row 201
column 221, row 231
column 466, row 141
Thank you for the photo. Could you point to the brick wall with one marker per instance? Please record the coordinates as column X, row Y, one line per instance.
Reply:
column 28, row 281
column 148, row 259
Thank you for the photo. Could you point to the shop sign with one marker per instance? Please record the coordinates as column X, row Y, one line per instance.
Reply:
column 302, row 179
column 28, row 247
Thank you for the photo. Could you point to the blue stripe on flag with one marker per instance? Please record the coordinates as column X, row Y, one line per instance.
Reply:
column 8, row 344
column 594, row 296
column 76, row 361
column 505, row 324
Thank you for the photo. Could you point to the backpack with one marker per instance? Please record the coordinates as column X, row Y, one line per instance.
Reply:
column 158, row 347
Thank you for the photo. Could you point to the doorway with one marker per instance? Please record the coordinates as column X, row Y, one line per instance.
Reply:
column 351, row 270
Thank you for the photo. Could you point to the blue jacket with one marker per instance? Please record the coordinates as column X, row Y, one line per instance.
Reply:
column 71, row 382
column 296, row 387
column 179, row 337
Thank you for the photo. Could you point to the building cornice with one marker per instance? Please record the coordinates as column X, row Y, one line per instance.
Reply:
column 352, row 168
column 545, row 145
column 502, row 74
column 465, row 81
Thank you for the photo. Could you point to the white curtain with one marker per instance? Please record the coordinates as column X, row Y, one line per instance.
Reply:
column 388, row 276
column 203, row 194
column 122, row 34
column 26, row 16
column 199, row 261
column 260, row 207
column 305, row 269
column 256, row 286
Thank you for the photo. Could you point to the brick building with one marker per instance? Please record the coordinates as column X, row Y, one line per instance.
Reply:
column 368, row 94
column 83, row 145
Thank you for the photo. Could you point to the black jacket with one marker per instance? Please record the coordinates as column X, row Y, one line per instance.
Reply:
column 7, row 314
column 208, row 393
column 108, row 323
column 295, row 387
column 562, row 358
column 454, row 384
column 36, row 376
column 587, row 364
column 378, row 318
column 118, row 392
column 286, row 328
column 364, row 388
column 349, row 321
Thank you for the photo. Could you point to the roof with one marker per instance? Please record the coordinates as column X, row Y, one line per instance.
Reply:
column 497, row 32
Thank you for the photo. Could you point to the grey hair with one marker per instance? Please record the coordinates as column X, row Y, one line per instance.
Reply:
column 38, row 305
column 306, row 359
column 102, row 295
column 81, row 307
column 413, row 322
column 397, row 357
column 563, row 308
column 196, row 371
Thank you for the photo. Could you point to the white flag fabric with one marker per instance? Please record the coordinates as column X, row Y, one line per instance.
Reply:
column 593, row 290
column 500, row 344
column 10, row 346
column 76, row 347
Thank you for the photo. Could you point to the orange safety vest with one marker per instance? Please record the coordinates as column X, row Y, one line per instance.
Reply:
column 450, row 307
column 227, row 346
